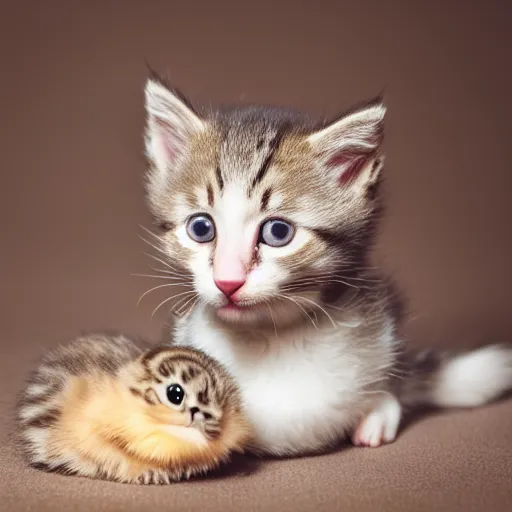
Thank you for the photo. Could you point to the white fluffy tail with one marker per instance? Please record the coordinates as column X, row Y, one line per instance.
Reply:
column 474, row 378
column 468, row 379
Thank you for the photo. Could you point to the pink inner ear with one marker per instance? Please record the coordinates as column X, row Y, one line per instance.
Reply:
column 349, row 165
column 168, row 139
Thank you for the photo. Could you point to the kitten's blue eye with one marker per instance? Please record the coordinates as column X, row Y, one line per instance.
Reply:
column 201, row 229
column 277, row 233
column 175, row 394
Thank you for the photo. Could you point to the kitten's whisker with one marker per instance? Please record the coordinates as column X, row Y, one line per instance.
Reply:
column 363, row 279
column 343, row 281
column 374, row 381
column 296, row 284
column 322, row 281
column 301, row 308
column 160, row 286
column 168, row 278
column 340, row 281
column 272, row 317
column 298, row 297
column 168, row 299
column 162, row 261
column 396, row 376
column 189, row 309
column 348, row 279
column 359, row 279
column 336, row 308
column 301, row 286
column 311, row 286
column 182, row 308
column 150, row 232
column 339, row 264
column 344, row 309
column 158, row 249
column 168, row 272
column 193, row 305
column 180, row 302
column 338, row 272
column 181, row 311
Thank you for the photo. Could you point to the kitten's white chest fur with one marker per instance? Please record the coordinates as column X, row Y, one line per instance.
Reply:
column 304, row 388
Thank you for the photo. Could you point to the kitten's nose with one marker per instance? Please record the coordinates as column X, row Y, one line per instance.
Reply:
column 229, row 287
column 193, row 411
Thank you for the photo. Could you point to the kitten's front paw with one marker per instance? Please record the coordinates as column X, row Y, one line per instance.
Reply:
column 380, row 426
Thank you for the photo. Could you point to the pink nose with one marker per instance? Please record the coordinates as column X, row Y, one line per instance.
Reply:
column 229, row 287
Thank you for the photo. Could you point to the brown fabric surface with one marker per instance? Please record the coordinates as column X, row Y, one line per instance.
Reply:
column 71, row 202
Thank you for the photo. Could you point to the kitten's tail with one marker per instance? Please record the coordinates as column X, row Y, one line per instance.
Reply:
column 468, row 379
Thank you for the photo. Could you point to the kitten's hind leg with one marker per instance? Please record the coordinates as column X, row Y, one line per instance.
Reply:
column 380, row 426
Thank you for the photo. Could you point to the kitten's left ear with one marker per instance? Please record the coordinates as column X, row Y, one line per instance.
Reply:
column 348, row 148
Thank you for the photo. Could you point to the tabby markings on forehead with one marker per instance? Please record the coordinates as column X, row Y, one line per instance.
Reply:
column 219, row 177
column 210, row 194
column 273, row 146
column 265, row 198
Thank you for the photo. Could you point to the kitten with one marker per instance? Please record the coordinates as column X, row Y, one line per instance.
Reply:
column 271, row 216
column 103, row 408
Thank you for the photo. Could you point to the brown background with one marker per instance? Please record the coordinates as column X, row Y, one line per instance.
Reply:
column 71, row 204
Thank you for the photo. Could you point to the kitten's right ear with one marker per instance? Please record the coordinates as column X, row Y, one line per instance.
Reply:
column 171, row 124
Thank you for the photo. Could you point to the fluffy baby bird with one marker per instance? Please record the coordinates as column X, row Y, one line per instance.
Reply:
column 101, row 407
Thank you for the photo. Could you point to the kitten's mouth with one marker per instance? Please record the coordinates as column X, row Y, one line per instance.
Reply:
column 235, row 307
column 237, row 312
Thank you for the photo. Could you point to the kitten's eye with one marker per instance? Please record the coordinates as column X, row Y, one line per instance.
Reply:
column 175, row 394
column 201, row 229
column 277, row 233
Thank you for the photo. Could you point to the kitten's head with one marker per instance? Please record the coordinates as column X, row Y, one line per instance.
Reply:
column 185, row 387
column 266, row 210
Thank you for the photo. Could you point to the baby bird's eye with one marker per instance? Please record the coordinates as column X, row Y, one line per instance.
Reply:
column 175, row 394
